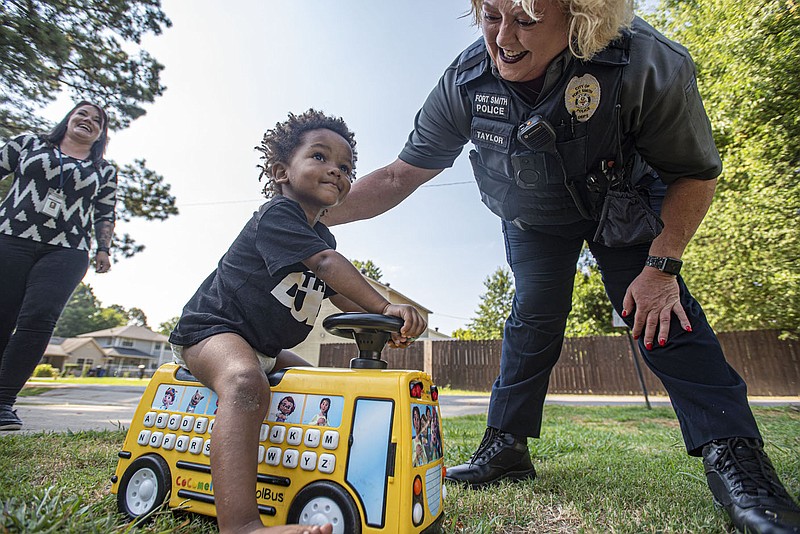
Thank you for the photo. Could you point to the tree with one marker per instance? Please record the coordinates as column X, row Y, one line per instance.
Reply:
column 133, row 316
column 591, row 309
column 82, row 46
column 743, row 261
column 494, row 308
column 368, row 268
column 83, row 313
column 168, row 326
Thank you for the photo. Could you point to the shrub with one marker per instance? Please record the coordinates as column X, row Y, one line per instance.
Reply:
column 45, row 370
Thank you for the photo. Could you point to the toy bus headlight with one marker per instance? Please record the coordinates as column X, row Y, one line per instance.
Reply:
column 416, row 514
column 434, row 393
column 417, row 510
column 416, row 389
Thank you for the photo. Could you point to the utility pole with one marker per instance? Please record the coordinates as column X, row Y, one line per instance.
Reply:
column 617, row 322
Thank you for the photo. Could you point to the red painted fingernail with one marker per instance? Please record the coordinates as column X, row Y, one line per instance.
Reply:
column 648, row 345
column 688, row 328
column 635, row 336
column 662, row 341
column 624, row 313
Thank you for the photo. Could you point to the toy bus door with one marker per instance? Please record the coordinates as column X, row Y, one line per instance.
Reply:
column 371, row 456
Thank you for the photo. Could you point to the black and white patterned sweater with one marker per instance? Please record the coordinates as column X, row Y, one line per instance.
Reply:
column 33, row 164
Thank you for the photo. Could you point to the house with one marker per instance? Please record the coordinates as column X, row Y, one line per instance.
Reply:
column 63, row 353
column 131, row 346
column 309, row 349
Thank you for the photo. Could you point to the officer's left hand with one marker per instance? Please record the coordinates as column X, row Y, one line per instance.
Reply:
column 654, row 296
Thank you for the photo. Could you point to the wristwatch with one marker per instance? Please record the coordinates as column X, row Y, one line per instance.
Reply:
column 665, row 265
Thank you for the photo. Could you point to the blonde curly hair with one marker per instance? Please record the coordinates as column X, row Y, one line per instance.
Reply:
column 279, row 144
column 593, row 24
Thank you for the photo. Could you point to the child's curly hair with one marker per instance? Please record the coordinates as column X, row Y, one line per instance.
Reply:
column 280, row 143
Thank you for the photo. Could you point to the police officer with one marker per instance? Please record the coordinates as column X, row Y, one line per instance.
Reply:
column 586, row 124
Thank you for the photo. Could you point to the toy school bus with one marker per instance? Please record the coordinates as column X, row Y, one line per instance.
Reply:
column 359, row 448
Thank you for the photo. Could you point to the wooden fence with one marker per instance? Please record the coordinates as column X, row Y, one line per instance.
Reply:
column 597, row 365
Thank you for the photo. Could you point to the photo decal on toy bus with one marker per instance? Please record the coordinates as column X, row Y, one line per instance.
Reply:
column 426, row 434
column 189, row 399
column 299, row 408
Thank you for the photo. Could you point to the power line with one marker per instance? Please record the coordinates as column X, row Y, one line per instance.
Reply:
column 221, row 202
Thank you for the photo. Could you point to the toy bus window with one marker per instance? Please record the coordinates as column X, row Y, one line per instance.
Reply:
column 369, row 455
column 426, row 434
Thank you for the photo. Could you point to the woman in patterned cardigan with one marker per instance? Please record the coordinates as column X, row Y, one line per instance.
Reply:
column 61, row 187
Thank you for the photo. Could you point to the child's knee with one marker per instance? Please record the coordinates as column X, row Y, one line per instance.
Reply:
column 245, row 389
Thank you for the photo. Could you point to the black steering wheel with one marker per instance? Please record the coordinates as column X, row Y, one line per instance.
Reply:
column 371, row 332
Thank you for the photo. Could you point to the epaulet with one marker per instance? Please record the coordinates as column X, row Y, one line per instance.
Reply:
column 472, row 62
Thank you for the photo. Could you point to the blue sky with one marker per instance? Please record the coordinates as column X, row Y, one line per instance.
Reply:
column 233, row 70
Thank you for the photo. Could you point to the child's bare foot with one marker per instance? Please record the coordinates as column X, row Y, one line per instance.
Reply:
column 297, row 529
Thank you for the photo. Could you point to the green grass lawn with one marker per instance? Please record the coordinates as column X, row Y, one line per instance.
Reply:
column 600, row 469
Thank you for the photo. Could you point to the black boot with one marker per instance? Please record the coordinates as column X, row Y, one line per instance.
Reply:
column 9, row 419
column 499, row 456
column 744, row 482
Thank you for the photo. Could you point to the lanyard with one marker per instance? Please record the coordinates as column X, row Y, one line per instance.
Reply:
column 61, row 178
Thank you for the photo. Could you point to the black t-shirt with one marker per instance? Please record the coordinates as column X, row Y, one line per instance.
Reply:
column 260, row 289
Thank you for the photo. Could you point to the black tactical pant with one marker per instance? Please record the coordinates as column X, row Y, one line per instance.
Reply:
column 709, row 397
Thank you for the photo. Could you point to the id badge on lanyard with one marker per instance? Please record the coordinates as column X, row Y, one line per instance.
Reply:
column 53, row 202
column 56, row 198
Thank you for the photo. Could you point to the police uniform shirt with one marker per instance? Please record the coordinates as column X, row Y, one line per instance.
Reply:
column 34, row 165
column 260, row 289
column 661, row 109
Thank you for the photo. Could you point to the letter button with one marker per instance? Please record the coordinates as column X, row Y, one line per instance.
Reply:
column 308, row 461
column 200, row 425
column 149, row 419
column 330, row 440
column 187, row 423
column 144, row 437
column 174, row 422
column 294, row 436
column 169, row 442
column 327, row 462
column 312, row 437
column 277, row 434
column 156, row 438
column 290, row 458
column 161, row 420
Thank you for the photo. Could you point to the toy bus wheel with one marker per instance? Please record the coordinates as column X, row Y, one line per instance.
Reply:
column 325, row 502
column 144, row 485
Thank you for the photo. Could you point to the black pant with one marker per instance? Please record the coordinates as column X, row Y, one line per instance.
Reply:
column 709, row 397
column 36, row 281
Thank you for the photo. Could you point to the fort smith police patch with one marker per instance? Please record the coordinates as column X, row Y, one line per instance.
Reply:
column 582, row 97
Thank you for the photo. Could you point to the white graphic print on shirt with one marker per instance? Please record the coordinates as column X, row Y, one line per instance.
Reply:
column 302, row 293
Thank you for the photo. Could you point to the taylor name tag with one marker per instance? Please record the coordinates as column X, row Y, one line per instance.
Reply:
column 53, row 202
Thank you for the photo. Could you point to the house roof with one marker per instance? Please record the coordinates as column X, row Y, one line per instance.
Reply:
column 130, row 332
column 128, row 352
column 64, row 346
column 55, row 349
column 396, row 292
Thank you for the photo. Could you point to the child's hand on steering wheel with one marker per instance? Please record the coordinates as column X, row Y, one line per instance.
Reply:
column 413, row 324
